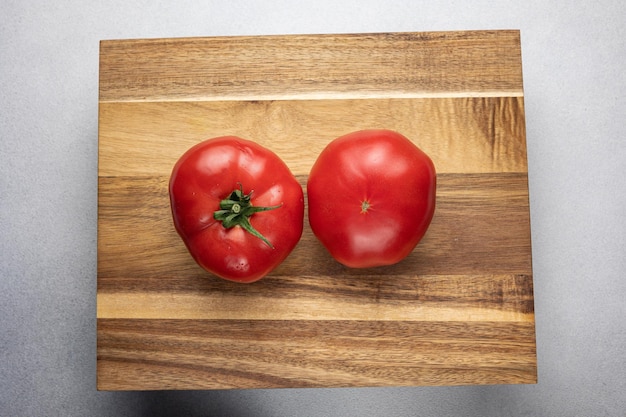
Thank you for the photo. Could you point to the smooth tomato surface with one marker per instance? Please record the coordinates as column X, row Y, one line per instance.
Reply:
column 371, row 197
column 205, row 176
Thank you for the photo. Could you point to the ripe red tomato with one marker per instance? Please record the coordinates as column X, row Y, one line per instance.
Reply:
column 371, row 197
column 237, row 207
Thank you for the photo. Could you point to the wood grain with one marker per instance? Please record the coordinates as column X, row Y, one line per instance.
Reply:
column 172, row 354
column 480, row 225
column 475, row 63
column 458, row 310
column 463, row 134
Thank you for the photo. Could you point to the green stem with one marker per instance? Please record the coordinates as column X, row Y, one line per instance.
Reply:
column 236, row 210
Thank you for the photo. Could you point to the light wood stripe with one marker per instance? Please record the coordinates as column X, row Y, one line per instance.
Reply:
column 330, row 95
column 233, row 307
column 461, row 135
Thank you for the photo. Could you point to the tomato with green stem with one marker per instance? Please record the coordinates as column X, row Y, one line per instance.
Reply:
column 237, row 207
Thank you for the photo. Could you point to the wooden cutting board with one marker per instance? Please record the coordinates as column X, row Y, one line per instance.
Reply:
column 458, row 310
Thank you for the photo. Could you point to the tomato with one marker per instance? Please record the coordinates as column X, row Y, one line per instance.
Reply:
column 371, row 197
column 237, row 207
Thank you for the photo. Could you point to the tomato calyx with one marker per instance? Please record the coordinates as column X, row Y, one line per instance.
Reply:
column 236, row 210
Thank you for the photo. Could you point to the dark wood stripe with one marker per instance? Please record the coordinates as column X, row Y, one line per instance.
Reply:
column 193, row 354
column 153, row 69
column 481, row 226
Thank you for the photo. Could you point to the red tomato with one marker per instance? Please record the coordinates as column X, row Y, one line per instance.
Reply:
column 237, row 207
column 371, row 197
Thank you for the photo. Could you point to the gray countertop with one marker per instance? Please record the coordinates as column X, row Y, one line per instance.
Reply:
column 574, row 57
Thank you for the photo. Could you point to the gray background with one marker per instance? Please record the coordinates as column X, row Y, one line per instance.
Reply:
column 575, row 95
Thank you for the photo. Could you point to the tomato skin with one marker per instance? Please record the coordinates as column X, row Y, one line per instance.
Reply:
column 371, row 197
column 207, row 174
